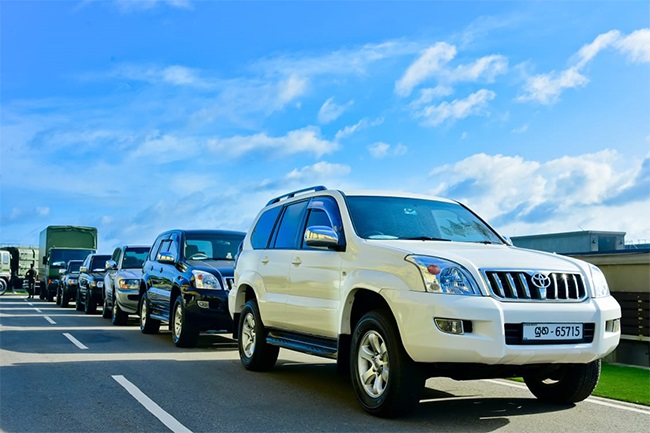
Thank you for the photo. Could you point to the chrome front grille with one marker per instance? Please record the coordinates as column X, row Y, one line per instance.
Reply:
column 533, row 285
column 230, row 282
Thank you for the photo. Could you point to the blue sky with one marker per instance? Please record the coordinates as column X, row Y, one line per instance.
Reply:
column 140, row 116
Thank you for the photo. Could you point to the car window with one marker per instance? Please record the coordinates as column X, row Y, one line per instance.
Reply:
column 290, row 225
column 262, row 231
column 134, row 257
column 153, row 255
column 212, row 245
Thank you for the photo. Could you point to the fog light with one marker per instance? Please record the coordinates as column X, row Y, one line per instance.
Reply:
column 449, row 326
column 613, row 325
column 203, row 304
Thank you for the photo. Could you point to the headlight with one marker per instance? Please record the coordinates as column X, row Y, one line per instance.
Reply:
column 100, row 284
column 601, row 288
column 126, row 284
column 72, row 281
column 205, row 280
column 444, row 276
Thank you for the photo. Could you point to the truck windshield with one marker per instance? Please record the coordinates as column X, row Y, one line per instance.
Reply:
column 60, row 256
column 403, row 218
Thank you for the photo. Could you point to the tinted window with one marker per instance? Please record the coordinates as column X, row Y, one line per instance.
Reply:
column 212, row 246
column 290, row 226
column 134, row 257
column 408, row 218
column 155, row 248
column 98, row 263
column 264, row 227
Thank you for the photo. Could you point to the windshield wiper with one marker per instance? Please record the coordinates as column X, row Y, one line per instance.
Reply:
column 425, row 238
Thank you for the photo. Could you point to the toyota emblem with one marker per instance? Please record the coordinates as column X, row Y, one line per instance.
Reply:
column 541, row 281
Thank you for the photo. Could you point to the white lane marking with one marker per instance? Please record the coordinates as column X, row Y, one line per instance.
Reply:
column 38, row 310
column 592, row 399
column 52, row 322
column 151, row 406
column 75, row 341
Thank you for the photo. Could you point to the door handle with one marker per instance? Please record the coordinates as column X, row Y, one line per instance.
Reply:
column 265, row 260
column 296, row 261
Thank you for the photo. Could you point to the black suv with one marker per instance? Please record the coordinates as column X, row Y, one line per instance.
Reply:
column 185, row 283
column 90, row 291
column 67, row 289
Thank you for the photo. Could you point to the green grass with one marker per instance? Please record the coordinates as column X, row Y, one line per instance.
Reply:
column 620, row 382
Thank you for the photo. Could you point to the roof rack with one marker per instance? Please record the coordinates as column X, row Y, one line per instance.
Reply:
column 293, row 194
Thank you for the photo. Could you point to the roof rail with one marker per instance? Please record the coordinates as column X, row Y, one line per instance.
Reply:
column 293, row 194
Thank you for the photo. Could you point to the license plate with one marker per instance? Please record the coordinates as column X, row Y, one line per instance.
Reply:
column 552, row 331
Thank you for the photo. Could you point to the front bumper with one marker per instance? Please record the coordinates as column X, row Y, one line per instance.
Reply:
column 208, row 309
column 487, row 342
column 127, row 300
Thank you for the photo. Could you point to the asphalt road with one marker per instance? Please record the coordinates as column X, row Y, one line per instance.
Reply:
column 64, row 371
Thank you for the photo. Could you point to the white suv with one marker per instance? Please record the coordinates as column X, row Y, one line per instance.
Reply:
column 401, row 287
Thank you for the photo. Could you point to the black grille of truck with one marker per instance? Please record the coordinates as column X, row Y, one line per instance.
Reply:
column 507, row 285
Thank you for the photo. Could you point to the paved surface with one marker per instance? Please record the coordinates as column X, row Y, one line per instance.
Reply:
column 64, row 371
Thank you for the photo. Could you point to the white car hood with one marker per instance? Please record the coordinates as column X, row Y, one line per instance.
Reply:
column 482, row 256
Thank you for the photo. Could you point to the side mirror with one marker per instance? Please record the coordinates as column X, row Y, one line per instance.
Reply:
column 83, row 269
column 111, row 265
column 321, row 237
column 62, row 271
column 166, row 258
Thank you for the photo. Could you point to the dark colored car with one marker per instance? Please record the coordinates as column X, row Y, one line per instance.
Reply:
column 185, row 283
column 67, row 289
column 122, row 282
column 90, row 292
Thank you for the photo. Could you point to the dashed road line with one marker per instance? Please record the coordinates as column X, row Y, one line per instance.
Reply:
column 75, row 341
column 49, row 319
column 169, row 421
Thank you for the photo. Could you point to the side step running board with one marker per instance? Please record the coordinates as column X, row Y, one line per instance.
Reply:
column 323, row 347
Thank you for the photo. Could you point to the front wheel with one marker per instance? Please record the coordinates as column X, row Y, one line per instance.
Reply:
column 147, row 324
column 254, row 352
column 106, row 311
column 118, row 317
column 89, row 305
column 567, row 384
column 184, row 332
column 77, row 303
column 386, row 381
column 3, row 286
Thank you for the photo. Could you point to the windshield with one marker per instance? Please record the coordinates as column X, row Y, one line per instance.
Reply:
column 74, row 266
column 208, row 246
column 134, row 257
column 416, row 219
column 59, row 257
column 98, row 263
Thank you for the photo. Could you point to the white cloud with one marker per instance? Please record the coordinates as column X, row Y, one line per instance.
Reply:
column 305, row 140
column 164, row 148
column 521, row 195
column 547, row 88
column 636, row 46
column 331, row 111
column 430, row 61
column 382, row 150
column 141, row 5
column 360, row 125
column 488, row 67
column 321, row 171
column 428, row 95
column 291, row 88
column 474, row 104
column 175, row 75
column 521, row 129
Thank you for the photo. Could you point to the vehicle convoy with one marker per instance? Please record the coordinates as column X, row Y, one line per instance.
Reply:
column 122, row 282
column 402, row 287
column 58, row 245
column 185, row 283
column 90, row 291
column 14, row 263
column 69, row 283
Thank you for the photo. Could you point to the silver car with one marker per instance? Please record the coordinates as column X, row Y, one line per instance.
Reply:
column 122, row 282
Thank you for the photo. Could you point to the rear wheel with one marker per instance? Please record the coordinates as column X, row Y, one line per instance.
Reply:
column 58, row 296
column 385, row 379
column 255, row 353
column 569, row 383
column 3, row 286
column 184, row 332
column 147, row 324
column 64, row 298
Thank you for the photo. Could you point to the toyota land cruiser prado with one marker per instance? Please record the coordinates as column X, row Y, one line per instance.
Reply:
column 401, row 287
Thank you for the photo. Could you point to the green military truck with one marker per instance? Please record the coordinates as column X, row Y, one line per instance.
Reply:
column 57, row 246
column 14, row 263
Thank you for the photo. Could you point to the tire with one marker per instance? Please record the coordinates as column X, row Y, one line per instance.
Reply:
column 58, row 296
column 77, row 303
column 147, row 324
column 570, row 383
column 107, row 313
column 254, row 352
column 64, row 298
column 89, row 305
column 3, row 286
column 376, row 349
column 118, row 317
column 184, row 332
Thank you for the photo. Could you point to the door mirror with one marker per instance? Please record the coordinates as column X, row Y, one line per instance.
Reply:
column 166, row 257
column 111, row 265
column 321, row 237
column 83, row 269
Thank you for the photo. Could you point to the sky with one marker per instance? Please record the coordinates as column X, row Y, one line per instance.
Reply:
column 137, row 117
